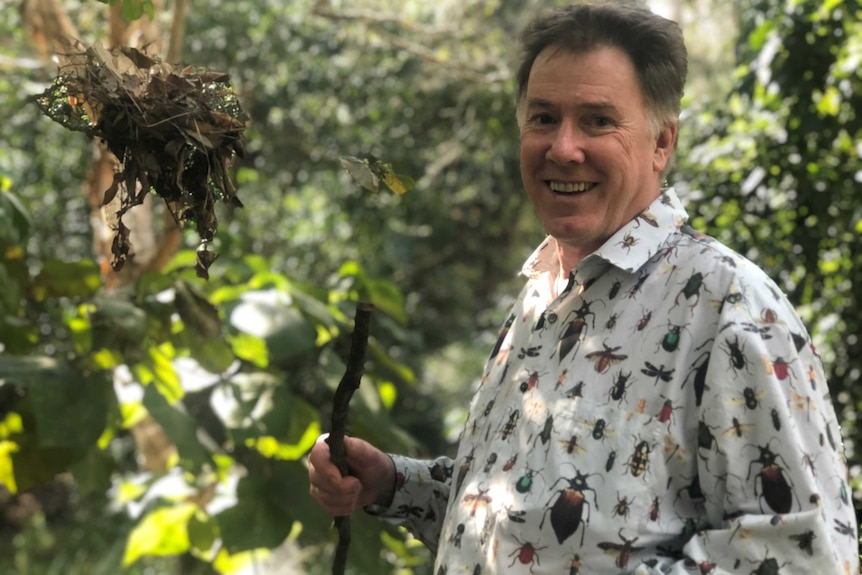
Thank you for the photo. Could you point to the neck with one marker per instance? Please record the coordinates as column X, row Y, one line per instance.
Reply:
column 569, row 257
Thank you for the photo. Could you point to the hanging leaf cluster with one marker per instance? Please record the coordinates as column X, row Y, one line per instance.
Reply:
column 175, row 131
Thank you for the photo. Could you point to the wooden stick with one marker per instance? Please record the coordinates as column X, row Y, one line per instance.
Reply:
column 346, row 387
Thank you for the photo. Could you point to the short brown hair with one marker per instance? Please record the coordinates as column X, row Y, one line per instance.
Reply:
column 654, row 44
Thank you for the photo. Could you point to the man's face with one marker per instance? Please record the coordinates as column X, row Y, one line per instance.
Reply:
column 590, row 161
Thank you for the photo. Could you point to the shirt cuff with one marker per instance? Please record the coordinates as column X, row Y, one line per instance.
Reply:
column 413, row 485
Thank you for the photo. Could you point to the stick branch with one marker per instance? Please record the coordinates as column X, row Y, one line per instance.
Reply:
column 346, row 387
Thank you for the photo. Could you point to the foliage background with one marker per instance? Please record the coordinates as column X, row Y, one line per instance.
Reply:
column 238, row 371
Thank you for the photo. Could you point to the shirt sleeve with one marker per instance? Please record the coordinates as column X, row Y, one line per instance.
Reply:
column 421, row 497
column 770, row 459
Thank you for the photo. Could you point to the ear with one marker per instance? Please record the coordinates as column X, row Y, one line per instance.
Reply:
column 664, row 146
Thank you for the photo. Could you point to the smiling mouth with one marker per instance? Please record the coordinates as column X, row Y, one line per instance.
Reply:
column 571, row 187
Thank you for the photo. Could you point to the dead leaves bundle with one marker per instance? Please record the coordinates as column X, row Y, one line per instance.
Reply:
column 175, row 131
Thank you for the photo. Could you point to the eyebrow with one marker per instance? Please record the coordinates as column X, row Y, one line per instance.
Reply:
column 598, row 106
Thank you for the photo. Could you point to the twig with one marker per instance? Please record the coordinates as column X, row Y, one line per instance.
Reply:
column 346, row 387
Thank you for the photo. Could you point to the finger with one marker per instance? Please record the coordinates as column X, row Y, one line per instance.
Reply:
column 320, row 463
column 339, row 502
column 322, row 472
column 335, row 488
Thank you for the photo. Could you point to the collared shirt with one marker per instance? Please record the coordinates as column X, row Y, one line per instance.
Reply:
column 660, row 410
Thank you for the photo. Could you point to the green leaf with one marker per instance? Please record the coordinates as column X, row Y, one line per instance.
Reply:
column 15, row 220
column 292, row 426
column 156, row 368
column 388, row 393
column 268, row 502
column 132, row 9
column 10, row 292
column 69, row 406
column 203, row 531
column 93, row 472
column 829, row 102
column 67, row 279
column 288, row 335
column 7, row 468
column 251, row 349
column 352, row 269
column 179, row 426
column 313, row 307
column 35, row 465
column 758, row 37
column 388, row 299
column 118, row 325
column 389, row 367
column 214, row 355
column 198, row 314
column 161, row 532
column 293, row 337
column 149, row 9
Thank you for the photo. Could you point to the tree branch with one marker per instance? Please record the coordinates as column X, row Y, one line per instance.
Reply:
column 368, row 17
column 382, row 24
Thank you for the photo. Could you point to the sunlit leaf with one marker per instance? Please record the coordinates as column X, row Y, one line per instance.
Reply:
column 161, row 532
column 11, row 425
column 352, row 269
column 250, row 348
column 132, row 413
column 157, row 368
column 397, row 183
column 388, row 393
column 829, row 102
column 227, row 563
column 285, row 330
column 129, row 491
column 271, row 447
column 7, row 473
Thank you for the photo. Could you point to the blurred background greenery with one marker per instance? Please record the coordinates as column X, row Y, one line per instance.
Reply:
column 151, row 422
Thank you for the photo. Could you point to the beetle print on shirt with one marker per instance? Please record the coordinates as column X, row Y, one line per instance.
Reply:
column 662, row 407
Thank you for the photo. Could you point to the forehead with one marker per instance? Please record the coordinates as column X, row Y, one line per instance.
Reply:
column 604, row 75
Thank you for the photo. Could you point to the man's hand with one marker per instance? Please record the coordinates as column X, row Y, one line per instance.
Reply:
column 373, row 479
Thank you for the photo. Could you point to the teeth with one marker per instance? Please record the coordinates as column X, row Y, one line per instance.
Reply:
column 568, row 187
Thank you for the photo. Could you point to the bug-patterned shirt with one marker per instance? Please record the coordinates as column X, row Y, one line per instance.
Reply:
column 661, row 410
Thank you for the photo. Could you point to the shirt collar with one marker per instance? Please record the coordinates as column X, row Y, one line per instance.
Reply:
column 630, row 247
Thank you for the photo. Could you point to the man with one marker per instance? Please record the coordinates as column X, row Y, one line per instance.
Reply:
column 653, row 403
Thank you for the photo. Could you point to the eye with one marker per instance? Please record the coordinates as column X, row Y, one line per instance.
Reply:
column 542, row 118
column 602, row 122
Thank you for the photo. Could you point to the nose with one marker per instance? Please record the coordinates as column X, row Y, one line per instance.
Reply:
column 567, row 145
